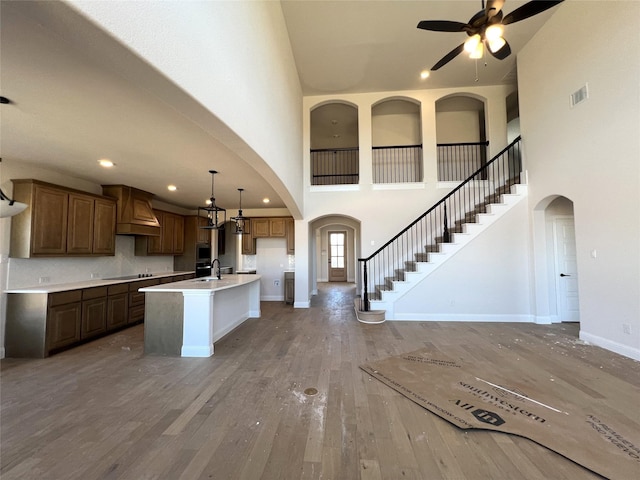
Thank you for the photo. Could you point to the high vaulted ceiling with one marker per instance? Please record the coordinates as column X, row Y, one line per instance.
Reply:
column 70, row 107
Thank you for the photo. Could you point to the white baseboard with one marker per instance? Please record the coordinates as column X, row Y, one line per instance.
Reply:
column 272, row 298
column 610, row 345
column 546, row 319
column 301, row 304
column 462, row 317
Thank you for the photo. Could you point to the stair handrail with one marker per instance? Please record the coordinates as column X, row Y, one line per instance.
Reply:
column 434, row 207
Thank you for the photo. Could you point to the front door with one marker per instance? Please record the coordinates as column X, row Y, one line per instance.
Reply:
column 337, row 264
column 566, row 270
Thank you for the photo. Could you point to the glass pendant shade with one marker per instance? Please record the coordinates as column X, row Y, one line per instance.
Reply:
column 478, row 52
column 471, row 45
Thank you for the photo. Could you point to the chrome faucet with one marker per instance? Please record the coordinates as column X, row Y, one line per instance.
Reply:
column 213, row 268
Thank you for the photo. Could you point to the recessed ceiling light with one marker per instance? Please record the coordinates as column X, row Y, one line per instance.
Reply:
column 424, row 74
column 172, row 188
column 207, row 201
column 105, row 162
column 265, row 200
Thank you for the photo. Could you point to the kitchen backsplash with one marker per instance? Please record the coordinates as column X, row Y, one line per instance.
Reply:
column 29, row 272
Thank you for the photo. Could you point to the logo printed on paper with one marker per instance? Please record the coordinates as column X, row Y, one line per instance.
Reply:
column 481, row 414
column 488, row 417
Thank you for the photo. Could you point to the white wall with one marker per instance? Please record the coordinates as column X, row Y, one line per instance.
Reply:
column 458, row 127
column 396, row 122
column 487, row 280
column 590, row 154
column 235, row 59
column 271, row 262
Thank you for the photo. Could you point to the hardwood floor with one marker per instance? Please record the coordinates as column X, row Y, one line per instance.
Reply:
column 106, row 411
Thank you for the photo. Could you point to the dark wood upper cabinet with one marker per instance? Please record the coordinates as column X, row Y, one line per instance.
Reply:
column 104, row 227
column 60, row 221
column 171, row 238
column 80, row 224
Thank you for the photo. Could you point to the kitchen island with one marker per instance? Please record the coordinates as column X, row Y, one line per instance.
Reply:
column 186, row 318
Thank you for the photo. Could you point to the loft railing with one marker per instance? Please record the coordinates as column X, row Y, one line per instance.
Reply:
column 457, row 161
column 397, row 164
column 413, row 244
column 337, row 166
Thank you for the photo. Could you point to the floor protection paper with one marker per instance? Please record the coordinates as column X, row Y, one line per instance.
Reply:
column 528, row 404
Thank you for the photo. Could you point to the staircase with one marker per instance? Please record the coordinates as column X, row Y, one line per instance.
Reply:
column 438, row 234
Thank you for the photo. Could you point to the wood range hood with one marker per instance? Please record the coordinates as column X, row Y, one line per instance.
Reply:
column 134, row 211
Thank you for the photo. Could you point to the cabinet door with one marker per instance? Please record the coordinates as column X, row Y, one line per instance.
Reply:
column 117, row 310
column 63, row 325
column 167, row 227
column 204, row 235
column 94, row 317
column 178, row 235
column 277, row 227
column 289, row 290
column 154, row 245
column 104, row 227
column 80, row 224
column 291, row 237
column 49, row 221
column 260, row 227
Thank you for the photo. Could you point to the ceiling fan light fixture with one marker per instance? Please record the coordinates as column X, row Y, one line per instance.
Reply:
column 478, row 52
column 493, row 32
column 471, row 45
column 496, row 44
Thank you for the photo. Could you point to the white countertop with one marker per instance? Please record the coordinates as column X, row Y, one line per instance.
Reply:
column 98, row 282
column 208, row 284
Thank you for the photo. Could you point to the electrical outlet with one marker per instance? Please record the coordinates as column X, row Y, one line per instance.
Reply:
column 626, row 328
column 95, row 275
column 276, row 283
column 43, row 280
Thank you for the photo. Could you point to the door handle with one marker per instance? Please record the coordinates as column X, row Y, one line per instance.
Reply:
column 564, row 275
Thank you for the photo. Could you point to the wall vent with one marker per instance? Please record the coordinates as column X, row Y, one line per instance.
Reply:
column 579, row 95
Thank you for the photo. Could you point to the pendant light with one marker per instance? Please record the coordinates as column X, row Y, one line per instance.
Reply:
column 240, row 220
column 212, row 211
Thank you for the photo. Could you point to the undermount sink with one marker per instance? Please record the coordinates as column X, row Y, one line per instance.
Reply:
column 212, row 279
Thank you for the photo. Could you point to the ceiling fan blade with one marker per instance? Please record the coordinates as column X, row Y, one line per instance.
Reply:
column 442, row 26
column 448, row 57
column 503, row 53
column 530, row 9
column 493, row 7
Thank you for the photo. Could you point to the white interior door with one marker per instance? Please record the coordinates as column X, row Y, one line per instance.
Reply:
column 566, row 270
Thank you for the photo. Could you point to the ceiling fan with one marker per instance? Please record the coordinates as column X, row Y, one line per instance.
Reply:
column 485, row 28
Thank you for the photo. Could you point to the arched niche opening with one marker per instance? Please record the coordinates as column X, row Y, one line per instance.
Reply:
column 396, row 133
column 334, row 144
column 461, row 136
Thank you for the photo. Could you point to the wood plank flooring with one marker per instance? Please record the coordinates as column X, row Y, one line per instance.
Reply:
column 107, row 411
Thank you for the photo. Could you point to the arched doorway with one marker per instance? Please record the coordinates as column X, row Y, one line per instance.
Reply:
column 556, row 266
column 320, row 253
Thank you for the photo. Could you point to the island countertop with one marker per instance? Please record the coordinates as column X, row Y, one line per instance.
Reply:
column 209, row 284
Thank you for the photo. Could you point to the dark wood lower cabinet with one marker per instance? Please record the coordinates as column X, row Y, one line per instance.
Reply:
column 117, row 306
column 63, row 325
column 40, row 324
column 94, row 317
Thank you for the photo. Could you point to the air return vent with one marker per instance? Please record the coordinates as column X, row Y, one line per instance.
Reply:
column 579, row 95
